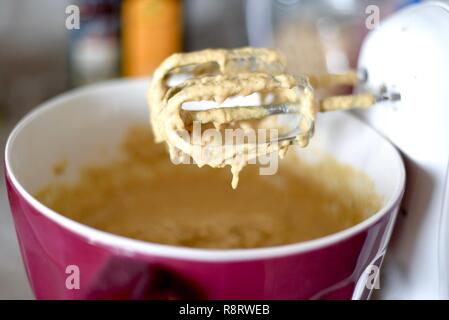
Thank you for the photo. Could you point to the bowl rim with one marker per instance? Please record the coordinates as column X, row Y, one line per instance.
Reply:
column 134, row 246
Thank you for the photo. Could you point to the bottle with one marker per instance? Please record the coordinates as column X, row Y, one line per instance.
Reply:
column 151, row 31
column 94, row 49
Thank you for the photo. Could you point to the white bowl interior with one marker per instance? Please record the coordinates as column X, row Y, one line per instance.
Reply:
column 88, row 124
column 77, row 128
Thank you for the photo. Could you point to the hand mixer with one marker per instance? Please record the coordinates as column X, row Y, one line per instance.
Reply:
column 240, row 90
column 228, row 86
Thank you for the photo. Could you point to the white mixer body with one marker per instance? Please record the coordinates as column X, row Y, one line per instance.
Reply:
column 409, row 54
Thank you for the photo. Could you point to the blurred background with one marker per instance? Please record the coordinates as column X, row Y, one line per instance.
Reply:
column 43, row 53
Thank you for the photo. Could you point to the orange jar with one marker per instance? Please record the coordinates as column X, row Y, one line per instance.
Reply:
column 151, row 31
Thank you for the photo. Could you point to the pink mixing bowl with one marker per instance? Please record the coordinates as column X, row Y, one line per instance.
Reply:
column 67, row 260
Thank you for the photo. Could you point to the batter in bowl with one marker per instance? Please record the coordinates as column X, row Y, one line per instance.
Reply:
column 145, row 197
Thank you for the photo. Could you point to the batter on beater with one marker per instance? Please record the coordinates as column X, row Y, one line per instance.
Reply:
column 218, row 77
